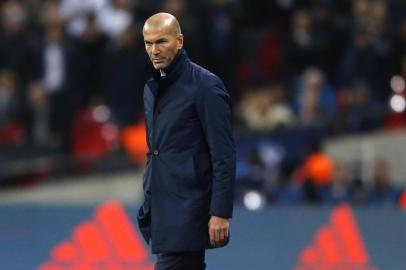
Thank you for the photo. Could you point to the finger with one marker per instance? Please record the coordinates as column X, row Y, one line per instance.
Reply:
column 226, row 234
column 226, row 231
column 222, row 237
column 217, row 237
column 212, row 237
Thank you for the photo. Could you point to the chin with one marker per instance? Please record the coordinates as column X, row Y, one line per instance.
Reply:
column 159, row 67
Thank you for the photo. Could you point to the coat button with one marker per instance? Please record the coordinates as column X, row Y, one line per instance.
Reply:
column 156, row 152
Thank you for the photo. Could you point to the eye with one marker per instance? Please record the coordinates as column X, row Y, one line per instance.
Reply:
column 162, row 41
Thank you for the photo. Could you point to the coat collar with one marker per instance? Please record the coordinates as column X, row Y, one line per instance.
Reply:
column 173, row 71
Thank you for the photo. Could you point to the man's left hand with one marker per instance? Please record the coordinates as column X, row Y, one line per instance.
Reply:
column 218, row 231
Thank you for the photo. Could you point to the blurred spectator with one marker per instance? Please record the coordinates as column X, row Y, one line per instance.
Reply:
column 377, row 23
column 114, row 18
column 14, row 42
column 327, row 38
column 38, row 105
column 358, row 186
column 89, row 62
column 125, row 77
column 221, row 39
column 300, row 44
column 338, row 189
column 270, row 53
column 50, row 13
column 177, row 8
column 48, row 96
column 362, row 61
column 315, row 173
column 11, row 128
column 382, row 191
column 9, row 103
column 54, row 59
column 193, row 18
column 399, row 52
column 265, row 109
column 360, row 13
column 76, row 12
column 314, row 99
column 358, row 112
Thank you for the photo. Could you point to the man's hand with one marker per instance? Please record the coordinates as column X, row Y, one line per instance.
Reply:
column 218, row 231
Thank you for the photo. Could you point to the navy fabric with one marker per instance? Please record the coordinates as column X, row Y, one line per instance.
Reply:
column 181, row 261
column 190, row 170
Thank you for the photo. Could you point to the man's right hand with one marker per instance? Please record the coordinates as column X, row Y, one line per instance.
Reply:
column 218, row 231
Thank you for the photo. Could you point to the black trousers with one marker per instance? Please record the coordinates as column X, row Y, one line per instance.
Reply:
column 181, row 261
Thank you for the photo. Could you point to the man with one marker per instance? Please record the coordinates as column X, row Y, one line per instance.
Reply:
column 188, row 181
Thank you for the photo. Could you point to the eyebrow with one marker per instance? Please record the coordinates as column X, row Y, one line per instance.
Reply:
column 156, row 41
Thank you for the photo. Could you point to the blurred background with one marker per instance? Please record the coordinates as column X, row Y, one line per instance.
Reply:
column 319, row 106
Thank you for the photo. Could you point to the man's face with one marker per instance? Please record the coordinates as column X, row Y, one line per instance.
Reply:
column 162, row 45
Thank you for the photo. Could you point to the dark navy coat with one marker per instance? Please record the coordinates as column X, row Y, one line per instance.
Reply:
column 190, row 170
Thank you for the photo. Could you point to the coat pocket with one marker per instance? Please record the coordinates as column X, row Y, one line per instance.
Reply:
column 181, row 172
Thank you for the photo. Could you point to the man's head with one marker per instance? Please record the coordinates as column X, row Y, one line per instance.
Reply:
column 163, row 39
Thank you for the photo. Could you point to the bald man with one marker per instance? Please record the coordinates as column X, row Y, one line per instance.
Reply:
column 189, row 177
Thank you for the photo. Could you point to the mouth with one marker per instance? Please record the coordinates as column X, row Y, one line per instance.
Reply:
column 158, row 60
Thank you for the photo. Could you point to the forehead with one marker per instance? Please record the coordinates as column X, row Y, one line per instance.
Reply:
column 155, row 33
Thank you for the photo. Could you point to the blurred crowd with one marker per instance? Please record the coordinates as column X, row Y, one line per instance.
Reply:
column 72, row 71
column 318, row 179
column 338, row 64
column 58, row 58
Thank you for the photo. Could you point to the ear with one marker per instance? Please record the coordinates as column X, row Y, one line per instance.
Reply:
column 180, row 41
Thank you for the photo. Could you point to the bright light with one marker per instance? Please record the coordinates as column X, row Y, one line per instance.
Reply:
column 397, row 83
column 397, row 103
column 253, row 200
column 101, row 113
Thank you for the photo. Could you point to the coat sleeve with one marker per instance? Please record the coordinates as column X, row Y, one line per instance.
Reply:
column 213, row 108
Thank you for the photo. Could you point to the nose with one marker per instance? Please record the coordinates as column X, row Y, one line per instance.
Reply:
column 155, row 49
